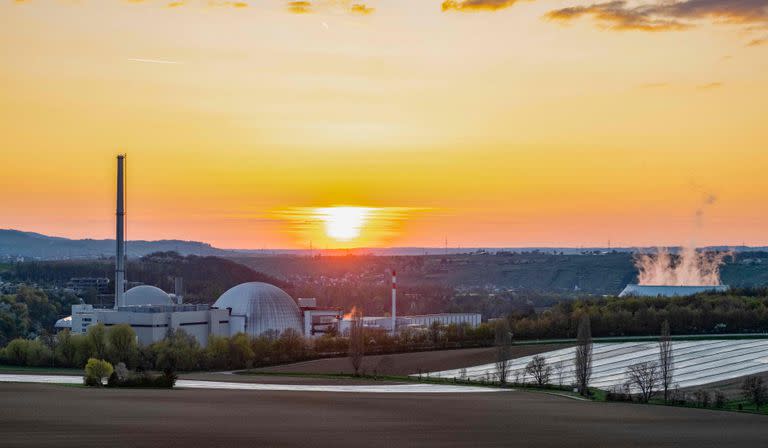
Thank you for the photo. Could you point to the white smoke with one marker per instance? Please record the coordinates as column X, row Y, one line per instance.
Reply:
column 688, row 268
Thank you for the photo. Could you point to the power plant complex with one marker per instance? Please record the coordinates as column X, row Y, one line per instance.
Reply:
column 254, row 308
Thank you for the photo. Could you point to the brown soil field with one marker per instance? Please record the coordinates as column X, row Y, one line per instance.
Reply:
column 411, row 363
column 34, row 415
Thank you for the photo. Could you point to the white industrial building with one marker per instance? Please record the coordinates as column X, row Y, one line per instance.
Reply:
column 668, row 291
column 151, row 314
column 152, row 322
column 419, row 321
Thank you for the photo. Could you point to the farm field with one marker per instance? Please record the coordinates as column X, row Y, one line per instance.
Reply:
column 35, row 415
column 695, row 362
column 410, row 363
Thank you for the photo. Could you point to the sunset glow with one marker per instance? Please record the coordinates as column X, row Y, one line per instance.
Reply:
column 488, row 123
column 343, row 223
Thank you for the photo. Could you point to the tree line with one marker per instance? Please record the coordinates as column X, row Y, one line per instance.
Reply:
column 32, row 312
column 179, row 351
column 740, row 311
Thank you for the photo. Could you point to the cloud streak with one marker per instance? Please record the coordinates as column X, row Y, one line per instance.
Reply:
column 152, row 61
column 665, row 15
column 299, row 7
column 313, row 6
column 476, row 5
column 710, row 86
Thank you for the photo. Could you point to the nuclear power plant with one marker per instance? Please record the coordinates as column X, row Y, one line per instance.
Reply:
column 253, row 308
column 663, row 275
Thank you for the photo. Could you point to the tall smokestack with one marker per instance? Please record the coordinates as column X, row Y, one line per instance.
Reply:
column 120, row 235
column 179, row 289
column 394, row 302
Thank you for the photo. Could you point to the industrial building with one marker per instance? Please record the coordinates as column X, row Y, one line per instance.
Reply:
column 668, row 291
column 83, row 284
column 411, row 322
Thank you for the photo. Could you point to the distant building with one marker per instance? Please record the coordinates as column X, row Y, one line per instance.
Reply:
column 425, row 320
column 84, row 284
column 668, row 291
column 418, row 321
column 83, row 316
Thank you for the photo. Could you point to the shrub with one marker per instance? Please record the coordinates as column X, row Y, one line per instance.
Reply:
column 96, row 370
column 144, row 380
column 702, row 398
column 719, row 399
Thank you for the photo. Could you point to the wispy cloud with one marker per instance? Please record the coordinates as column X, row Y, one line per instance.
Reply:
column 359, row 8
column 654, row 85
column 299, row 7
column 477, row 5
column 342, row 6
column 665, row 15
column 710, row 86
column 757, row 42
column 228, row 4
column 153, row 61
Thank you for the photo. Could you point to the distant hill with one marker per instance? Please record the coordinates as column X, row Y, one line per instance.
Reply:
column 605, row 273
column 35, row 245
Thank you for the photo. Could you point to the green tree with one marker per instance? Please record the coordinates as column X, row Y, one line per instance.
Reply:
column 290, row 346
column 217, row 353
column 240, row 351
column 66, row 349
column 27, row 352
column 178, row 351
column 97, row 341
column 122, row 344
column 96, row 370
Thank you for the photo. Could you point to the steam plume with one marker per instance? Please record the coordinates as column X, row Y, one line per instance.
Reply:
column 689, row 268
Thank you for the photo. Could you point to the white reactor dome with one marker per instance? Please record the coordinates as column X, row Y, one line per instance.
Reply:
column 260, row 307
column 146, row 295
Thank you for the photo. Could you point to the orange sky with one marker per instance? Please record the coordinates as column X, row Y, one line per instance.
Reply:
column 489, row 122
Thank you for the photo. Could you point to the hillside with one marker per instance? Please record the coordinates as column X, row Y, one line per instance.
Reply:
column 34, row 245
column 605, row 273
column 205, row 278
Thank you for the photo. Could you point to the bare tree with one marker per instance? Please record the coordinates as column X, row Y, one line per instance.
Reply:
column 356, row 341
column 503, row 349
column 644, row 377
column 666, row 360
column 754, row 390
column 539, row 370
column 583, row 361
column 702, row 398
column 560, row 372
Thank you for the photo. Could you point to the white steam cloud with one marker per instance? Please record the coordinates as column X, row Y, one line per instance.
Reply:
column 689, row 268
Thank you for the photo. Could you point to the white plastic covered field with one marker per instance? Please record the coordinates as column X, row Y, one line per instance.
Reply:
column 695, row 363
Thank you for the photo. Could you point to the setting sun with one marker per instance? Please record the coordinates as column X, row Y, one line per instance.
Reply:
column 343, row 223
